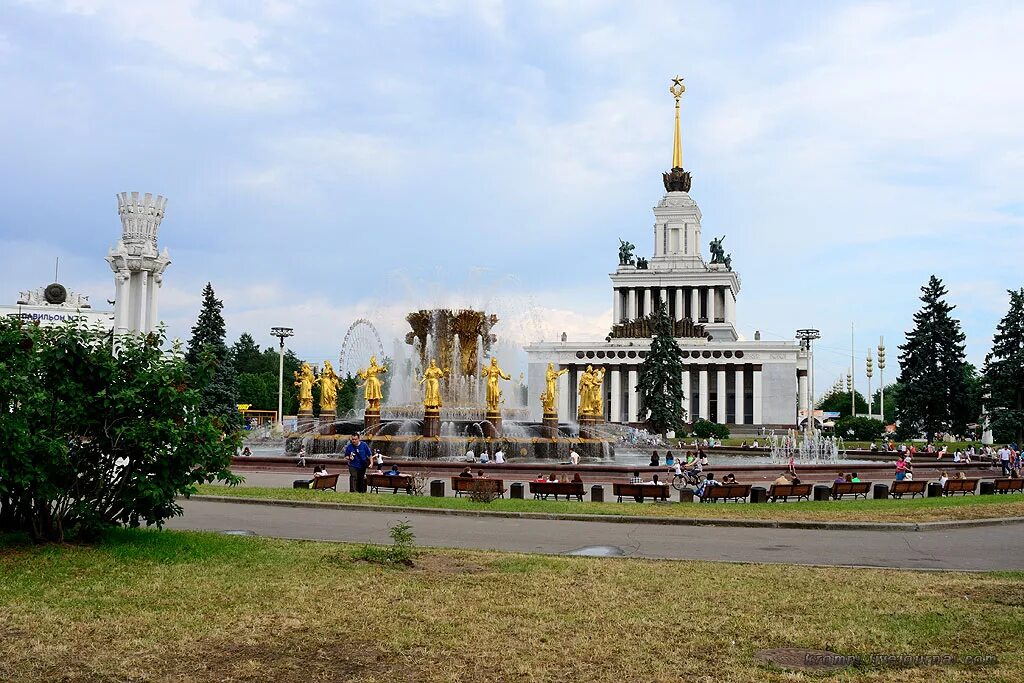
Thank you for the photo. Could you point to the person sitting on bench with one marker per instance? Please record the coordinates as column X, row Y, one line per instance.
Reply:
column 319, row 471
column 781, row 480
column 706, row 484
column 577, row 479
column 393, row 472
column 466, row 473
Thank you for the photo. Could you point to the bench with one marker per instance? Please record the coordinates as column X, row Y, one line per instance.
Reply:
column 852, row 488
column 543, row 489
column 375, row 482
column 737, row 492
column 914, row 488
column 461, row 485
column 787, row 491
column 1008, row 485
column 963, row 486
column 324, row 483
column 640, row 491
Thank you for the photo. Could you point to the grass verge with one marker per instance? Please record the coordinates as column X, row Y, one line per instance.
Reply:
column 917, row 510
column 152, row 606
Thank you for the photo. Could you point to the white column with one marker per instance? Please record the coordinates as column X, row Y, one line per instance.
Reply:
column 702, row 393
column 616, row 306
column 631, row 303
column 739, row 394
column 122, row 300
column 563, row 397
column 695, row 304
column 152, row 317
column 631, row 397
column 757, row 397
column 711, row 304
column 802, row 383
column 647, row 300
column 720, row 418
column 143, row 300
column 615, row 403
column 664, row 297
column 730, row 306
column 679, row 303
column 686, row 393
column 659, row 236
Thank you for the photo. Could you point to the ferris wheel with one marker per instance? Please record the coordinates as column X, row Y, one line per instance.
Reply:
column 361, row 341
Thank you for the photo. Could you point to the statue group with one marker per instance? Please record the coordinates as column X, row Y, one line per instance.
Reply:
column 591, row 404
column 718, row 254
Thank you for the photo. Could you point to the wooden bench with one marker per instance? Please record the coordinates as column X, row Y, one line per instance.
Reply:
column 852, row 488
column 787, row 491
column 963, row 486
column 461, row 485
column 737, row 492
column 324, row 483
column 543, row 489
column 640, row 491
column 1008, row 485
column 914, row 488
column 375, row 482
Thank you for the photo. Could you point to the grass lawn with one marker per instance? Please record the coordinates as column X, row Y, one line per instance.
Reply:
column 178, row 606
column 907, row 510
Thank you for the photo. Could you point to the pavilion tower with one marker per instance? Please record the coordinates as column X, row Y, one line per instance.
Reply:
column 137, row 263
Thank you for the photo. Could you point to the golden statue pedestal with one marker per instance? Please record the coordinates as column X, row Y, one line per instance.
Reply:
column 431, row 422
column 327, row 420
column 549, row 425
column 371, row 419
column 587, row 424
column 493, row 429
column 305, row 420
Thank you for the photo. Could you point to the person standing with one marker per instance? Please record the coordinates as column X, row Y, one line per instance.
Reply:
column 1004, row 460
column 358, row 454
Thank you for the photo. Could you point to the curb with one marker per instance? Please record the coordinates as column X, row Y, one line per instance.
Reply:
column 626, row 519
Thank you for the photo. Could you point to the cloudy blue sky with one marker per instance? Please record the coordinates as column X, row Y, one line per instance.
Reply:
column 326, row 161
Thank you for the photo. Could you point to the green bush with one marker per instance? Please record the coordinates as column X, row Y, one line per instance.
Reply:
column 704, row 428
column 859, row 428
column 401, row 551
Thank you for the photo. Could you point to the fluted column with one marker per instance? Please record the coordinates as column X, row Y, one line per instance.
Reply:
column 702, row 393
column 695, row 304
column 631, row 303
column 740, row 388
column 631, row 397
column 711, row 304
column 679, row 303
column 802, row 383
column 722, row 395
column 647, row 300
column 686, row 393
column 616, row 306
column 615, row 404
column 139, row 308
column 757, row 396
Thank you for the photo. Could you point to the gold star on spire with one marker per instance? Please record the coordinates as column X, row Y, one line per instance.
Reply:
column 677, row 89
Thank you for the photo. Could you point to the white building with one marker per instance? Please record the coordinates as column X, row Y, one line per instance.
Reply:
column 137, row 263
column 728, row 380
column 56, row 305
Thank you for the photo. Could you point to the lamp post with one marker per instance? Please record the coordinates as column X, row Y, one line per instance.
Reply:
column 869, row 370
column 881, row 378
column 281, row 333
column 807, row 336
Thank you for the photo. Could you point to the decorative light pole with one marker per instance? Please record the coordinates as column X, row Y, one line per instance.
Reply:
column 869, row 370
column 807, row 336
column 281, row 333
column 881, row 378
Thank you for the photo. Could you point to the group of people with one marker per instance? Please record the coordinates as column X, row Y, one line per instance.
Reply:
column 562, row 478
column 486, row 458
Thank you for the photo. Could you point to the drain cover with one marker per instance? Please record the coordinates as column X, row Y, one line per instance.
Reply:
column 238, row 532
column 808, row 660
column 598, row 551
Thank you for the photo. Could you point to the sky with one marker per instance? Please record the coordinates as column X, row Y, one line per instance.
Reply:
column 326, row 162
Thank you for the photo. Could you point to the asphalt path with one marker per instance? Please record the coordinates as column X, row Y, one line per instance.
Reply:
column 976, row 549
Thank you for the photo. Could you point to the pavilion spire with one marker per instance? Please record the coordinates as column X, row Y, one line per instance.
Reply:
column 677, row 179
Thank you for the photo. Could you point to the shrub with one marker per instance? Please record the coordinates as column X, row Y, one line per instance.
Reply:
column 862, row 428
column 482, row 494
column 704, row 428
column 401, row 551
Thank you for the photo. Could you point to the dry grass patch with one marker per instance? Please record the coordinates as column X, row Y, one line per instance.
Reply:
column 159, row 606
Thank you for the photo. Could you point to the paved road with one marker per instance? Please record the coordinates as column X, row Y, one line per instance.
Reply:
column 980, row 548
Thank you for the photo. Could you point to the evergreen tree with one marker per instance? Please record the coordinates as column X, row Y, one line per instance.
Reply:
column 246, row 356
column 208, row 356
column 934, row 394
column 1004, row 373
column 661, row 379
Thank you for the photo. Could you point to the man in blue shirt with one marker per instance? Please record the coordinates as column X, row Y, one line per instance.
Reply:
column 358, row 455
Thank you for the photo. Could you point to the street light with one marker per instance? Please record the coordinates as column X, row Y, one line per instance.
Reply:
column 881, row 378
column 281, row 333
column 807, row 336
column 869, row 370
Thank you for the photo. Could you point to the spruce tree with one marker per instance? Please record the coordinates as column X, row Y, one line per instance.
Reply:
column 933, row 398
column 1004, row 373
column 246, row 355
column 210, row 364
column 661, row 378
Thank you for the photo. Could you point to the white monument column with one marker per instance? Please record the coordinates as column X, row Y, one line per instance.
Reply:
column 144, row 301
column 631, row 397
column 802, row 383
column 686, row 392
column 702, row 393
column 739, row 395
column 121, row 323
column 647, row 300
column 757, row 396
column 616, row 306
column 711, row 304
column 563, row 397
column 137, row 263
column 723, row 395
column 153, row 321
column 615, row 404
column 679, row 303
column 695, row 303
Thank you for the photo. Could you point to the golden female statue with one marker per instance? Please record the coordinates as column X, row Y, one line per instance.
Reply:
column 432, row 391
column 549, row 399
column 328, row 382
column 596, row 393
column 586, row 391
column 371, row 383
column 493, row 373
column 305, row 380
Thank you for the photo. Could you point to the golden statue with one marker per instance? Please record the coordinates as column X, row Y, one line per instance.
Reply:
column 432, row 391
column 305, row 380
column 328, row 382
column 586, row 391
column 493, row 373
column 371, row 384
column 597, row 395
column 549, row 399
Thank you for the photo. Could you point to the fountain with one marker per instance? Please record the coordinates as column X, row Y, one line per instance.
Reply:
column 817, row 449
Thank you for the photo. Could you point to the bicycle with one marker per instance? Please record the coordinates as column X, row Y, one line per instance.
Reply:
column 687, row 478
